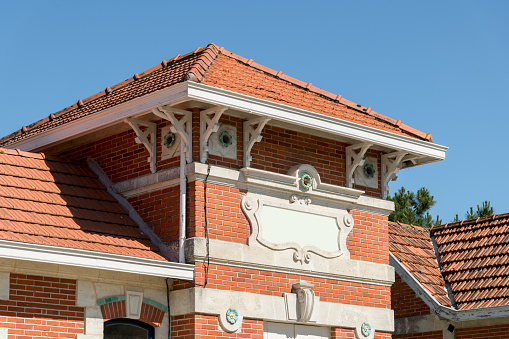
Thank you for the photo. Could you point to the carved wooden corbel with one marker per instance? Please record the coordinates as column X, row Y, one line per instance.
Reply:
column 147, row 137
column 354, row 160
column 208, row 125
column 181, row 126
column 391, row 164
column 251, row 136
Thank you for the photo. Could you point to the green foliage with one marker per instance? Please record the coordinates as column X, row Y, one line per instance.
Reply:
column 484, row 211
column 413, row 208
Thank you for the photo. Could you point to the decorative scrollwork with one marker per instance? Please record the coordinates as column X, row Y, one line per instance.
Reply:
column 294, row 198
column 302, row 256
column 248, row 204
column 348, row 220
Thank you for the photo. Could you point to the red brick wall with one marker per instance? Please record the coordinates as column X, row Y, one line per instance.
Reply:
column 369, row 239
column 405, row 302
column 225, row 218
column 160, row 210
column 280, row 149
column 342, row 333
column 273, row 283
column 426, row 335
column 492, row 332
column 41, row 307
column 207, row 327
column 149, row 314
column 346, row 333
column 120, row 157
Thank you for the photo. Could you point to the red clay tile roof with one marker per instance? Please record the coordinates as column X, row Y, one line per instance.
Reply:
column 219, row 68
column 474, row 255
column 56, row 203
column 412, row 246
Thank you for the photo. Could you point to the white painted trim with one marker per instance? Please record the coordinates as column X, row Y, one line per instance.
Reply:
column 5, row 278
column 255, row 180
column 441, row 310
column 97, row 260
column 273, row 308
column 241, row 102
column 314, row 120
column 102, row 119
column 258, row 257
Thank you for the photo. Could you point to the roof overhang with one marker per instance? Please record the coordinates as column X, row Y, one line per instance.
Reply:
column 97, row 260
column 441, row 310
column 192, row 91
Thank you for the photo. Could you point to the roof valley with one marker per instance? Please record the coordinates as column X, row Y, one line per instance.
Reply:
column 447, row 285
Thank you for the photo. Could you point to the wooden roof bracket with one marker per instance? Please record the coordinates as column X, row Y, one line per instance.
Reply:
column 251, row 136
column 181, row 126
column 391, row 163
column 354, row 160
column 208, row 124
column 147, row 137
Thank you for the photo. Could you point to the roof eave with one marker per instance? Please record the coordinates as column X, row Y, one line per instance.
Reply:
column 441, row 310
column 317, row 121
column 96, row 260
column 216, row 96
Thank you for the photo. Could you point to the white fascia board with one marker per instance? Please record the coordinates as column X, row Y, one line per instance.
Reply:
column 441, row 310
column 314, row 120
column 97, row 260
column 102, row 119
column 241, row 102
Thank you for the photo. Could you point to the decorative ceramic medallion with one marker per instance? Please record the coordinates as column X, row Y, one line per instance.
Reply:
column 369, row 170
column 226, row 139
column 232, row 315
column 169, row 139
column 365, row 329
column 306, row 181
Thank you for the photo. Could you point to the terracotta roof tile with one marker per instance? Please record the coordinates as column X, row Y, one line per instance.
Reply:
column 52, row 202
column 474, row 255
column 217, row 67
column 412, row 246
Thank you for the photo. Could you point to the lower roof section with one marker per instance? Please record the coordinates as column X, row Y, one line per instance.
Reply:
column 96, row 260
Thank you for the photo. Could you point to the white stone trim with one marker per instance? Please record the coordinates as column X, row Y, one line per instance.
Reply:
column 273, row 308
column 253, row 206
column 258, row 257
column 3, row 333
column 444, row 311
column 276, row 111
column 148, row 183
column 274, row 184
column 4, row 285
column 133, row 301
column 96, row 260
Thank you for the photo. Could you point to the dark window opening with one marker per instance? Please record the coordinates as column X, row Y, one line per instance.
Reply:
column 127, row 329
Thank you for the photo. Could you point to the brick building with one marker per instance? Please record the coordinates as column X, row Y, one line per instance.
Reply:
column 251, row 201
column 451, row 281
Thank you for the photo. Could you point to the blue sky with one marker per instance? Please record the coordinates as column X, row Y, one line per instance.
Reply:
column 440, row 66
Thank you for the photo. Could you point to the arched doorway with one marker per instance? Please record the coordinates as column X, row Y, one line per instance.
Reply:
column 127, row 329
